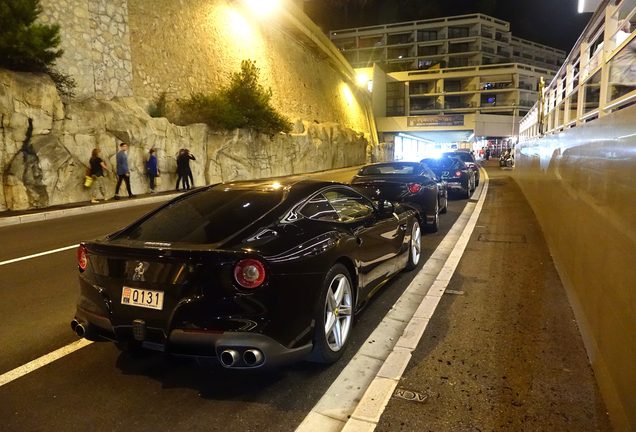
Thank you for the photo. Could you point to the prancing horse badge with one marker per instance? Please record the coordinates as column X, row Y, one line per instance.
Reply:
column 140, row 269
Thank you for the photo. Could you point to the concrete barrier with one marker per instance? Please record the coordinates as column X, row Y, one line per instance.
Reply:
column 581, row 183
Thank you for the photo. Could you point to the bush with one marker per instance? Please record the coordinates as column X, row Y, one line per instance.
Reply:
column 159, row 107
column 243, row 103
column 28, row 46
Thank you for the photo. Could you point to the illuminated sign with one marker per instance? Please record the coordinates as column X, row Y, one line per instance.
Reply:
column 436, row 120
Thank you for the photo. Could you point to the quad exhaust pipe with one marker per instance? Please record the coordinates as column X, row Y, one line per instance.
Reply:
column 232, row 358
column 229, row 357
column 252, row 357
column 80, row 328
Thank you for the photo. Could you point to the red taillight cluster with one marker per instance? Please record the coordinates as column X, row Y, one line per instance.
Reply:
column 458, row 173
column 249, row 273
column 82, row 257
column 414, row 187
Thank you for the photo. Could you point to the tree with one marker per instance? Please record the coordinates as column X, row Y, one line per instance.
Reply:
column 24, row 44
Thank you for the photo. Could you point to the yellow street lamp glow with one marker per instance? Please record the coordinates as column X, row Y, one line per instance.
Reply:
column 263, row 7
column 362, row 79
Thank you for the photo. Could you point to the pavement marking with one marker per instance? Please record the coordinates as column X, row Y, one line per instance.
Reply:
column 357, row 398
column 11, row 261
column 20, row 371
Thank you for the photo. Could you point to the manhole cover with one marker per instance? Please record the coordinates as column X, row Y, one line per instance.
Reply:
column 410, row 395
column 502, row 238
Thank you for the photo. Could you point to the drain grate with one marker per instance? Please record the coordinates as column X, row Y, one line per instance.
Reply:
column 410, row 395
column 502, row 238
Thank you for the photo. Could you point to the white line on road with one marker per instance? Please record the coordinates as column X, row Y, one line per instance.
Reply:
column 18, row 372
column 11, row 261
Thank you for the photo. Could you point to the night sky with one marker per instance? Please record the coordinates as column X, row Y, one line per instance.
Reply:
column 551, row 22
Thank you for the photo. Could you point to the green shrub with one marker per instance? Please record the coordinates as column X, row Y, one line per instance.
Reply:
column 243, row 103
column 28, row 46
column 159, row 107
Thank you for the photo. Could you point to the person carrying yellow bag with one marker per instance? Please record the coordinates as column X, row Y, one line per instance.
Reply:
column 97, row 168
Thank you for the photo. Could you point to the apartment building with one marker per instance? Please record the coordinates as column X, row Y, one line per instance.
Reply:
column 463, row 74
column 465, row 40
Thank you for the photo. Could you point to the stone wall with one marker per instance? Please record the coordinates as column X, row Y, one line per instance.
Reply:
column 143, row 48
column 96, row 44
column 45, row 145
column 186, row 46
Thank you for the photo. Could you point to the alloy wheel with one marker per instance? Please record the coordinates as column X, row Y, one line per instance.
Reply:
column 416, row 244
column 338, row 312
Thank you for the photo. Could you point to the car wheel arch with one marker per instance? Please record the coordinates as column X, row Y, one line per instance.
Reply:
column 353, row 272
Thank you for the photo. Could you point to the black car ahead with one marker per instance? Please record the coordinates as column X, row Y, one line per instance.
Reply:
column 468, row 158
column 409, row 183
column 253, row 273
column 457, row 175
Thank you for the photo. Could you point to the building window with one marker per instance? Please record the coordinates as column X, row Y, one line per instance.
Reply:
column 395, row 93
column 400, row 38
column 426, row 35
column 427, row 50
column 457, row 32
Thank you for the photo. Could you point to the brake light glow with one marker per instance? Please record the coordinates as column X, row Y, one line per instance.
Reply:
column 249, row 273
column 414, row 187
column 82, row 257
column 458, row 173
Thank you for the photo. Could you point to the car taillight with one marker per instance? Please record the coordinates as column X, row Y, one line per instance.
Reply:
column 82, row 257
column 414, row 187
column 249, row 273
column 458, row 173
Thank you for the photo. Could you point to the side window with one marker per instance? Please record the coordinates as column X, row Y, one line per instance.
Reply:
column 349, row 205
column 318, row 208
column 428, row 173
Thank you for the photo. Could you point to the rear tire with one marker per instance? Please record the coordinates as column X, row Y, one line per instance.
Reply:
column 434, row 227
column 415, row 247
column 333, row 316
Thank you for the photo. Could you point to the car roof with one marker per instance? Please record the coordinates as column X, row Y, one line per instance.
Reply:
column 293, row 188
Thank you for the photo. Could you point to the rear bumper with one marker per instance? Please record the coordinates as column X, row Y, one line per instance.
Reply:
column 194, row 342
column 455, row 186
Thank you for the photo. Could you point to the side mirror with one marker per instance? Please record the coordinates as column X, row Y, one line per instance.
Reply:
column 385, row 208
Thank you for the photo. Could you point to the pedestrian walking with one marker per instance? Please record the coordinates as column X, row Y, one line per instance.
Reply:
column 152, row 169
column 184, row 172
column 123, row 172
column 97, row 167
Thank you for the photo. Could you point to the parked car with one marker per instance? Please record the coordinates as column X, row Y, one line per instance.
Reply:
column 457, row 175
column 409, row 183
column 468, row 158
column 255, row 273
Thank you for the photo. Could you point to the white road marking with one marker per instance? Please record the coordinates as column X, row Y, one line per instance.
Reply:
column 11, row 261
column 20, row 371
column 356, row 400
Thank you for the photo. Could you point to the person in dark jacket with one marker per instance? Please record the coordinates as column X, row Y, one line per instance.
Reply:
column 152, row 169
column 184, row 173
column 97, row 167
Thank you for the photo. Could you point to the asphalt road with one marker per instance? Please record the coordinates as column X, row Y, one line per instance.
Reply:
column 98, row 388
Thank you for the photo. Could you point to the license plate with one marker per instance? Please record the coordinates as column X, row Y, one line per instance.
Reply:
column 445, row 173
column 142, row 298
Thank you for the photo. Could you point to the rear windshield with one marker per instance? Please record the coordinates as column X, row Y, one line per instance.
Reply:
column 440, row 163
column 464, row 156
column 401, row 168
column 206, row 217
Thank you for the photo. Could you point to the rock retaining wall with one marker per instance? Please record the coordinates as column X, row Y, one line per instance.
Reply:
column 45, row 145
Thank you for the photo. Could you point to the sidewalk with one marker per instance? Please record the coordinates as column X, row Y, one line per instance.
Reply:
column 502, row 351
